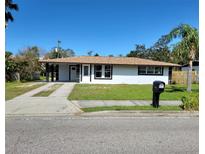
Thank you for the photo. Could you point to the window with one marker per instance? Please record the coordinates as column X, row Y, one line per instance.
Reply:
column 85, row 70
column 150, row 70
column 158, row 70
column 141, row 70
column 103, row 71
column 107, row 71
column 98, row 71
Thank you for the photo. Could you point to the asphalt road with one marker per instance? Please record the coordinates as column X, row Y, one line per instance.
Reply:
column 111, row 135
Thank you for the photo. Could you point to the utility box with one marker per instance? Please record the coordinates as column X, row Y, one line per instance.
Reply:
column 158, row 88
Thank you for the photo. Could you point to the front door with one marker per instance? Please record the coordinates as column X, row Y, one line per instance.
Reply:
column 73, row 73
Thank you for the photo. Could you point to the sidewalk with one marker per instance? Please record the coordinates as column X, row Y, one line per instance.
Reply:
column 99, row 103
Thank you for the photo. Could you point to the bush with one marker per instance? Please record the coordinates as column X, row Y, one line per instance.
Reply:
column 173, row 82
column 190, row 102
column 25, row 63
column 195, row 82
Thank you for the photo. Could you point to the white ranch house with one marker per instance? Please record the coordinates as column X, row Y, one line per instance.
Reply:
column 108, row 70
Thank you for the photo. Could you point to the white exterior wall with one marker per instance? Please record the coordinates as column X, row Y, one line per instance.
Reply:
column 127, row 74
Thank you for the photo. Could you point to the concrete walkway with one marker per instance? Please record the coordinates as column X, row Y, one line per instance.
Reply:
column 56, row 103
column 98, row 103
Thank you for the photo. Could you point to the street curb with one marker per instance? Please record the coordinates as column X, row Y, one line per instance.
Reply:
column 141, row 114
column 115, row 114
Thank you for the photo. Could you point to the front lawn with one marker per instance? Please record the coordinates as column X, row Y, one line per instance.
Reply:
column 13, row 89
column 127, row 92
column 118, row 108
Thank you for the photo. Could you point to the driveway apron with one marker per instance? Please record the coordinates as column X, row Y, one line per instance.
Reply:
column 56, row 103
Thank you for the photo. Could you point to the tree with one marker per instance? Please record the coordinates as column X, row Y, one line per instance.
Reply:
column 27, row 62
column 9, row 6
column 159, row 53
column 140, row 51
column 96, row 55
column 111, row 55
column 156, row 52
column 179, row 57
column 33, row 51
column 10, row 65
column 59, row 53
column 188, row 45
column 90, row 53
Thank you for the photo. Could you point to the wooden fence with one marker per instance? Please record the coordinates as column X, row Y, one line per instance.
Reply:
column 180, row 77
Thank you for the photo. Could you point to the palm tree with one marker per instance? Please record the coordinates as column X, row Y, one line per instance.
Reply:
column 189, row 45
column 9, row 6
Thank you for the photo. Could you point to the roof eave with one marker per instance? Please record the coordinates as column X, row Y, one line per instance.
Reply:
column 165, row 65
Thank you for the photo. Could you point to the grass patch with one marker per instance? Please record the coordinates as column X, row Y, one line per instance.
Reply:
column 47, row 92
column 13, row 89
column 118, row 108
column 127, row 92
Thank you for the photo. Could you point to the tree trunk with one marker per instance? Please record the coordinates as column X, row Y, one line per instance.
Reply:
column 189, row 77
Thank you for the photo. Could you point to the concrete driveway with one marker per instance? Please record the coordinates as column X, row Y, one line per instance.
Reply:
column 56, row 103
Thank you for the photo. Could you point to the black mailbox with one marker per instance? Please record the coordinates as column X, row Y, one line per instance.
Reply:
column 158, row 88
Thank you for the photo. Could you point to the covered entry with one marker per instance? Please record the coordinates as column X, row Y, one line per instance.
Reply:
column 53, row 71
column 63, row 72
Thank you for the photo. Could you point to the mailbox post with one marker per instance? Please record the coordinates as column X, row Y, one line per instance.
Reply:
column 158, row 88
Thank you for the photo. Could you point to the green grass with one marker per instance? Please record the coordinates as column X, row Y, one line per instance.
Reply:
column 13, row 89
column 118, row 108
column 47, row 92
column 127, row 92
column 42, row 78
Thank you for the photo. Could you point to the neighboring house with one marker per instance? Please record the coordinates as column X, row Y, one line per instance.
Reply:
column 108, row 70
column 195, row 66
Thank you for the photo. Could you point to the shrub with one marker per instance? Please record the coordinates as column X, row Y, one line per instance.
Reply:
column 173, row 82
column 10, row 66
column 190, row 102
column 195, row 82
column 25, row 63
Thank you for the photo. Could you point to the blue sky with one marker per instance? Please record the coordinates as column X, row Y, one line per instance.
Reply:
column 104, row 26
